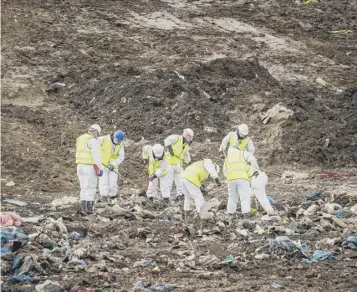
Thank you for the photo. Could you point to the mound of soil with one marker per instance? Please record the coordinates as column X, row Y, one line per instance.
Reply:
column 162, row 102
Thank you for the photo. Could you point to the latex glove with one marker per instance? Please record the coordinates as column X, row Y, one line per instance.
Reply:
column 152, row 177
column 218, row 181
column 110, row 167
column 171, row 151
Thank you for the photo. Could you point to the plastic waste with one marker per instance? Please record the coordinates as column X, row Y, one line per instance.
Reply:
column 351, row 242
column 8, row 234
column 163, row 287
column 18, row 279
column 338, row 213
column 228, row 259
column 26, row 266
column 48, row 243
column 75, row 236
column 271, row 200
column 276, row 285
column 285, row 243
column 4, row 250
column 10, row 219
column 16, row 263
column 76, row 261
column 143, row 264
column 139, row 286
column 319, row 255
column 314, row 195
column 49, row 286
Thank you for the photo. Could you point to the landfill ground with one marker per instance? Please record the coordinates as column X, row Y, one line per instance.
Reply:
column 152, row 68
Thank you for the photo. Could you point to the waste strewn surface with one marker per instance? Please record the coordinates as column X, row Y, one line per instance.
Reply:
column 286, row 68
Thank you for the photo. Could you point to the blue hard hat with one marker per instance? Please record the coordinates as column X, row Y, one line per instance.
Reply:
column 119, row 135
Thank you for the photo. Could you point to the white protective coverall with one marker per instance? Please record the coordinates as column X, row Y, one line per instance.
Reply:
column 240, row 188
column 108, row 182
column 192, row 191
column 162, row 174
column 87, row 176
column 226, row 142
column 258, row 185
column 175, row 170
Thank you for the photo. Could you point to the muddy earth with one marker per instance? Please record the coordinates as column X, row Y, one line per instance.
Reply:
column 286, row 68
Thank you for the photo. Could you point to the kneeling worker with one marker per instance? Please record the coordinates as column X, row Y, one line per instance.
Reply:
column 192, row 177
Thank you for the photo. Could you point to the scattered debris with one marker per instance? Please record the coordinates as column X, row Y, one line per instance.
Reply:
column 10, row 219
column 63, row 202
column 15, row 202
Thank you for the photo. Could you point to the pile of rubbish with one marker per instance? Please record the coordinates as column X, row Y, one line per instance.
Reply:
column 134, row 237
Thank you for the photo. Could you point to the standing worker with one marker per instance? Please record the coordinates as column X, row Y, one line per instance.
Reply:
column 192, row 177
column 89, row 166
column 112, row 155
column 239, row 167
column 158, row 168
column 239, row 138
column 258, row 184
column 178, row 147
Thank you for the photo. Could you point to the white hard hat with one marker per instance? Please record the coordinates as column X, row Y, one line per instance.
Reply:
column 189, row 132
column 95, row 127
column 158, row 150
column 217, row 168
column 243, row 130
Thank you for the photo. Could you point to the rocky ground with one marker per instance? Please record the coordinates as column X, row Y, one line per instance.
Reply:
column 152, row 68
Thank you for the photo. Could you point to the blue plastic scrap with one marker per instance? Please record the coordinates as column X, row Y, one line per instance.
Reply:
column 351, row 242
column 320, row 255
column 139, row 286
column 8, row 234
column 338, row 214
column 314, row 195
column 271, row 200
column 4, row 250
column 163, row 287
column 76, row 262
column 16, row 263
column 282, row 242
column 18, row 279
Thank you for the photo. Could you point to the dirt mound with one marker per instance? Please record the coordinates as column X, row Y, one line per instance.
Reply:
column 322, row 129
column 165, row 101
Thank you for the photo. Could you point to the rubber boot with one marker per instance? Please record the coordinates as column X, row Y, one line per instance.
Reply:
column 90, row 205
column 104, row 199
column 83, row 208
column 151, row 199
column 166, row 201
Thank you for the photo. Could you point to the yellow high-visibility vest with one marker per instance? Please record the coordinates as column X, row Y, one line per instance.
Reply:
column 233, row 139
column 242, row 144
column 107, row 155
column 179, row 149
column 236, row 165
column 83, row 153
column 153, row 164
column 196, row 173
